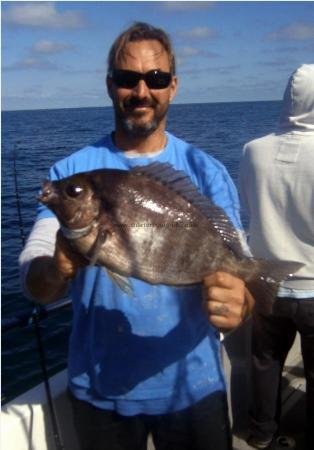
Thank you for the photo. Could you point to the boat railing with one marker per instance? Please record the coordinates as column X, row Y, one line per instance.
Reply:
column 36, row 312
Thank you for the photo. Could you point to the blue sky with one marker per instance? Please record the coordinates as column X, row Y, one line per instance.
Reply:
column 54, row 53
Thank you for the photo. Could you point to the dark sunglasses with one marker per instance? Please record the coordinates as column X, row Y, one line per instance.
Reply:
column 154, row 79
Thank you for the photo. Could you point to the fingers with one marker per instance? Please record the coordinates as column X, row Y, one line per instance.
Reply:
column 217, row 308
column 222, row 279
column 220, row 315
column 224, row 300
column 67, row 260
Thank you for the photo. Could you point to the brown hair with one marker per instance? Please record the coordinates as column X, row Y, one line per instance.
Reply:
column 140, row 31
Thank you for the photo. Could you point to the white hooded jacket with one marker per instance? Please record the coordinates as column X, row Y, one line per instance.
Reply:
column 277, row 186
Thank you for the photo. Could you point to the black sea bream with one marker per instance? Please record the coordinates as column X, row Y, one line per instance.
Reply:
column 152, row 223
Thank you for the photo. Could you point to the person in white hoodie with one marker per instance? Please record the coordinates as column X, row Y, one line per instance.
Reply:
column 277, row 190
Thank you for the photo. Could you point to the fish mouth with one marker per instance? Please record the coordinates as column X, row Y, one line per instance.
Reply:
column 47, row 192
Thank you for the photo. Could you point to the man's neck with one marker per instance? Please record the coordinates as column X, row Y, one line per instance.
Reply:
column 148, row 144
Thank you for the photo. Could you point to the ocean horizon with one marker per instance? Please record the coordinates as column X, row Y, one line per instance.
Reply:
column 173, row 104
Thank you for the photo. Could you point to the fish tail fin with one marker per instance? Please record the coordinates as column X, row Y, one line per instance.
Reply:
column 264, row 286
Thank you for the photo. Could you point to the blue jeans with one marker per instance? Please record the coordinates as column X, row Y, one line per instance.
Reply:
column 203, row 426
column 272, row 339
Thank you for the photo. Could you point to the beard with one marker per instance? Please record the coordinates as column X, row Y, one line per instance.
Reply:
column 138, row 130
column 133, row 122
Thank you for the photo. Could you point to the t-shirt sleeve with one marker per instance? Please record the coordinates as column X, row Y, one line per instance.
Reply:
column 41, row 242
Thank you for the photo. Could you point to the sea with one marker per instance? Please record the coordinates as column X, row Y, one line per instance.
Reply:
column 31, row 142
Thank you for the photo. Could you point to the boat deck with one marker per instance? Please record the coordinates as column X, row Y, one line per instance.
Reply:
column 292, row 426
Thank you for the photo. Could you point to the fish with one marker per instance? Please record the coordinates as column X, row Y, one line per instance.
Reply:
column 152, row 223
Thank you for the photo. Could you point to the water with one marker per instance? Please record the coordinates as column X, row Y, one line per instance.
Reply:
column 39, row 138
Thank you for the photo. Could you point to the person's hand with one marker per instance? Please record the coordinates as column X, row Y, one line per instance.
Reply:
column 66, row 259
column 226, row 300
column 48, row 276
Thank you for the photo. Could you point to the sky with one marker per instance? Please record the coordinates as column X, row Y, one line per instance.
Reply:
column 54, row 54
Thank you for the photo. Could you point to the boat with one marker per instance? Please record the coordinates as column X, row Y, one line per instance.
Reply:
column 26, row 421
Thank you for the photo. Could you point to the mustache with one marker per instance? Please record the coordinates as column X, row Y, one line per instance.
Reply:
column 135, row 102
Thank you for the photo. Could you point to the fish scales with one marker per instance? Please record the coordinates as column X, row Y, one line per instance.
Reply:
column 151, row 223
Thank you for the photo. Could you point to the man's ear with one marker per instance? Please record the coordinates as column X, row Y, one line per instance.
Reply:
column 173, row 88
column 109, row 83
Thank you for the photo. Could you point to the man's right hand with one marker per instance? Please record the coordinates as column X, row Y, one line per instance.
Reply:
column 48, row 276
column 66, row 259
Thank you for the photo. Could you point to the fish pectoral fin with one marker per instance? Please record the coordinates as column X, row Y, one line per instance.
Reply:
column 122, row 282
column 96, row 248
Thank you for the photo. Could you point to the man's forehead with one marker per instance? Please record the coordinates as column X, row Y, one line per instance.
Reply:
column 150, row 50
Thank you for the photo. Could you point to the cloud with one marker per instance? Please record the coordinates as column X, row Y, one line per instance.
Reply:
column 298, row 32
column 283, row 49
column 280, row 64
column 186, row 52
column 41, row 15
column 199, row 33
column 190, row 52
column 220, row 70
column 38, row 54
column 49, row 47
column 185, row 6
column 31, row 63
column 228, row 70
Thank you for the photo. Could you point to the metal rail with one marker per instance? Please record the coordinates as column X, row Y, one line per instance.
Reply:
column 26, row 318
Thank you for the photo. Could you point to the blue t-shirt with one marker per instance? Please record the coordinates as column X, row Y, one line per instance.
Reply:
column 154, row 352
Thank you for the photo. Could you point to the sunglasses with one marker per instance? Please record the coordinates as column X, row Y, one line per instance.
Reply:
column 154, row 79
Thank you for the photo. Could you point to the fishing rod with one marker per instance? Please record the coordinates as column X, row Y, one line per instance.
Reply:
column 35, row 317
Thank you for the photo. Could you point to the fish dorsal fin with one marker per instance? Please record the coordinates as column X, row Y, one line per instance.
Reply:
column 176, row 180
column 181, row 184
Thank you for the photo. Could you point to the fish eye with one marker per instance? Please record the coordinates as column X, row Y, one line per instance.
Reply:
column 73, row 190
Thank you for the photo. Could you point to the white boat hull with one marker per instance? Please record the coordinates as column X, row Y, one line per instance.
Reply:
column 26, row 422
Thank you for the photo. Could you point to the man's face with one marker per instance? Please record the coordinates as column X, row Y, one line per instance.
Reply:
column 141, row 110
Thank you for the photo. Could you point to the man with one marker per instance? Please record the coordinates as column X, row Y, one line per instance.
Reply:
column 150, row 363
column 277, row 188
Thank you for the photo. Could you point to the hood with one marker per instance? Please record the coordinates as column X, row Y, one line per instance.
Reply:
column 298, row 102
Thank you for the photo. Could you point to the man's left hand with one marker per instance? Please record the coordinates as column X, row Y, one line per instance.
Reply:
column 227, row 301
